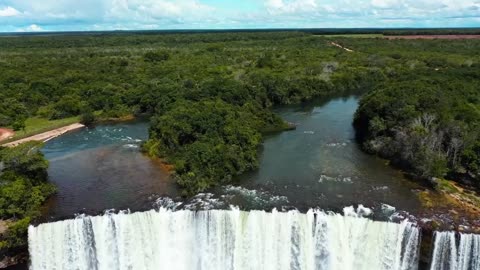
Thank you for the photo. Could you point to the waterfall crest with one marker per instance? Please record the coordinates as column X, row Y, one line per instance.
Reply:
column 452, row 253
column 222, row 239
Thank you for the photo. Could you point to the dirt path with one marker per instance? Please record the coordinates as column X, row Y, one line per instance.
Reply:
column 6, row 133
column 340, row 46
column 3, row 226
column 46, row 136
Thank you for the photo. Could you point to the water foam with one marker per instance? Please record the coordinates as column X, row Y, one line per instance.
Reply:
column 223, row 240
column 450, row 254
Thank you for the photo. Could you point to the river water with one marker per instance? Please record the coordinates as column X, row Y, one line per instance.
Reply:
column 320, row 165
column 101, row 168
column 317, row 165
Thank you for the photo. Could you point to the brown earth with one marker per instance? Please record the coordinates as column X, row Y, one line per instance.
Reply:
column 434, row 37
column 6, row 133
column 450, row 208
column 3, row 226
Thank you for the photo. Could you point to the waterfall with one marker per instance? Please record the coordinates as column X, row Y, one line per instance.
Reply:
column 222, row 240
column 448, row 255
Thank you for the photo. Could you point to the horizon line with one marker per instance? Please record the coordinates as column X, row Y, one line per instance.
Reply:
column 244, row 29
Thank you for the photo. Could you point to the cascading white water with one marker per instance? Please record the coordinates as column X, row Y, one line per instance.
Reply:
column 447, row 255
column 222, row 240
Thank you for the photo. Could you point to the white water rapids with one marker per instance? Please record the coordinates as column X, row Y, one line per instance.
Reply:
column 450, row 254
column 223, row 240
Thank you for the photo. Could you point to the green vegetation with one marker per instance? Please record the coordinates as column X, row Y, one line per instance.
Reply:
column 427, row 122
column 23, row 189
column 210, row 94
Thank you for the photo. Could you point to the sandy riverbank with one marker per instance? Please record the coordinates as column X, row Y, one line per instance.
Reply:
column 46, row 136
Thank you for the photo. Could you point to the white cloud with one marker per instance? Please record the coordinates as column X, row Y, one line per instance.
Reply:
column 30, row 28
column 385, row 3
column 34, row 28
column 280, row 6
column 174, row 14
column 275, row 4
column 150, row 10
column 9, row 12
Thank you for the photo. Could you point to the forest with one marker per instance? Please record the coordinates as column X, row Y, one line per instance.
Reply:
column 429, row 126
column 210, row 95
column 24, row 187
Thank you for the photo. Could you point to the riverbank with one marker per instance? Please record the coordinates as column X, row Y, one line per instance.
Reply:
column 450, row 207
column 38, row 125
column 46, row 136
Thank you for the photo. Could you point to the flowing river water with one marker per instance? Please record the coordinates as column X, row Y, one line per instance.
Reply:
column 317, row 166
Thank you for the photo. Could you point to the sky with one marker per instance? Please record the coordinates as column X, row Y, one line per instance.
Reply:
column 92, row 15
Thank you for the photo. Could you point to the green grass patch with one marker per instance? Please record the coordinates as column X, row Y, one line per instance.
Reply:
column 35, row 125
column 464, row 195
column 447, row 186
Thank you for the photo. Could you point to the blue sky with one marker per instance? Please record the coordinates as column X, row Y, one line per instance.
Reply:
column 81, row 15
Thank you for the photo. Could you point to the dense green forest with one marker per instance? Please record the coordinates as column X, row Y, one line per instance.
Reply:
column 426, row 120
column 429, row 125
column 210, row 94
column 23, row 190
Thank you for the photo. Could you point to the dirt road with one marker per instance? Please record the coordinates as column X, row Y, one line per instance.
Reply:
column 341, row 47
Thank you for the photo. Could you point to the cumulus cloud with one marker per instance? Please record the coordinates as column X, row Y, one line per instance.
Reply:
column 378, row 13
column 30, row 28
column 386, row 3
column 34, row 28
column 151, row 10
column 280, row 6
column 174, row 14
column 9, row 12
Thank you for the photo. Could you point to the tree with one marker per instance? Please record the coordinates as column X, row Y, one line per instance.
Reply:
column 156, row 56
column 23, row 190
column 87, row 118
column 471, row 159
column 26, row 160
column 19, row 124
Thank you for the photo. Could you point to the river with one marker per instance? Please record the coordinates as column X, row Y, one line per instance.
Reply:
column 317, row 165
column 309, row 174
column 320, row 165
column 102, row 168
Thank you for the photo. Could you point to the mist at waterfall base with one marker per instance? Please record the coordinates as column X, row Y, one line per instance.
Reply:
column 223, row 240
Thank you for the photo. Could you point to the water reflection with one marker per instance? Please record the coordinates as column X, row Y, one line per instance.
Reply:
column 320, row 165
